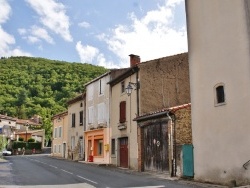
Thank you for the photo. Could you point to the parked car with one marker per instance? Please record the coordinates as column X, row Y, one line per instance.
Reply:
column 6, row 152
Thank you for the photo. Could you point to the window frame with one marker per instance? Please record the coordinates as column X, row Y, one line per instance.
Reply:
column 113, row 146
column 123, row 87
column 218, row 95
column 81, row 118
column 73, row 120
column 122, row 107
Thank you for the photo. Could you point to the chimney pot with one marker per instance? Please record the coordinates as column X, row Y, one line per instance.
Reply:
column 134, row 60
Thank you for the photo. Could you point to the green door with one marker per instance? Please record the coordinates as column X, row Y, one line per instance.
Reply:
column 188, row 160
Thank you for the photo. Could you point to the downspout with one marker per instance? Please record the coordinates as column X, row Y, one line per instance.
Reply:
column 137, row 92
column 171, row 145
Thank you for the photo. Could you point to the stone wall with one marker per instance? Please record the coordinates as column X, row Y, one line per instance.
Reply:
column 164, row 83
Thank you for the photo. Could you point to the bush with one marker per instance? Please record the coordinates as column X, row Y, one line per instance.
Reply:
column 34, row 145
column 20, row 139
column 18, row 144
column 31, row 140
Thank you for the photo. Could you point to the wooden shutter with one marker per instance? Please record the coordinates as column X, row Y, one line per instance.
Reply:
column 122, row 111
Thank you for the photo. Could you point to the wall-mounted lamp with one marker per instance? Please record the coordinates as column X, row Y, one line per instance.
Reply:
column 129, row 88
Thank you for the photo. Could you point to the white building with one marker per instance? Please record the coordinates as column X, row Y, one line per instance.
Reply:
column 219, row 58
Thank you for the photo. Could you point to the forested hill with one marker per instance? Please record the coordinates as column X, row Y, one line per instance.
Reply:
column 40, row 86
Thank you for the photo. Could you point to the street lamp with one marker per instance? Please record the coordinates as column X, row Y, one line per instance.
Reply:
column 129, row 88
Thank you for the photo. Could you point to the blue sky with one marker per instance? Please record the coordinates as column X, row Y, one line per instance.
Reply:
column 93, row 31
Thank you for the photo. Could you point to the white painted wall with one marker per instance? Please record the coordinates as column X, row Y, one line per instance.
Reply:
column 218, row 42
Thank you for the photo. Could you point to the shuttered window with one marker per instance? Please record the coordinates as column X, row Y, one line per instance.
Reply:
column 122, row 111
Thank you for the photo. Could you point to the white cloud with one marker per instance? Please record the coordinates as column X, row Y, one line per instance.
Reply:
column 41, row 33
column 22, row 31
column 53, row 16
column 153, row 36
column 6, row 41
column 90, row 54
column 87, row 53
column 35, row 34
column 84, row 25
column 5, row 10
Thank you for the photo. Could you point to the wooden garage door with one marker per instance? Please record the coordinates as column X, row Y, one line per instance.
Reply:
column 156, row 147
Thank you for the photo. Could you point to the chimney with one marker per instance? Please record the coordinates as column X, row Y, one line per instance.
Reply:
column 134, row 60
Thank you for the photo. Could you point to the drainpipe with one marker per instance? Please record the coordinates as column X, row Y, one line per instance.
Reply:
column 171, row 145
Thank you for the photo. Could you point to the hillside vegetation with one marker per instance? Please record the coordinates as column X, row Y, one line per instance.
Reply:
column 40, row 86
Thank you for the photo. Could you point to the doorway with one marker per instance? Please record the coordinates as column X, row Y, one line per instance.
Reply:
column 124, row 152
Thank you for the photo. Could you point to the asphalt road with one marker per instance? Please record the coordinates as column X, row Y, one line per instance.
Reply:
column 37, row 170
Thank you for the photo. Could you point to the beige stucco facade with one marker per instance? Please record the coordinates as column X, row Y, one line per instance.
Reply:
column 218, row 44
column 128, row 129
column 60, row 135
column 97, row 133
column 76, row 127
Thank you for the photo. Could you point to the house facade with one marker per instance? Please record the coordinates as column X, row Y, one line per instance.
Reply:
column 76, row 127
column 218, row 43
column 97, row 120
column 164, row 84
column 60, row 135
column 124, row 108
column 30, row 128
column 156, row 84
column 7, row 128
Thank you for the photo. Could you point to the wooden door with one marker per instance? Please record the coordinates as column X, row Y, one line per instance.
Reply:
column 124, row 152
column 156, row 147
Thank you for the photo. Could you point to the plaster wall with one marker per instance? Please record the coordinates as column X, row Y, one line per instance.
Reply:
column 76, row 131
column 218, row 42
column 95, row 97
column 60, row 121
column 131, row 126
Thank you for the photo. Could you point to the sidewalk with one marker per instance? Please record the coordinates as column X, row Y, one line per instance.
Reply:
column 165, row 176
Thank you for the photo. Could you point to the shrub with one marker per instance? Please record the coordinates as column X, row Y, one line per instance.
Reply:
column 34, row 145
column 31, row 140
column 18, row 144
column 20, row 139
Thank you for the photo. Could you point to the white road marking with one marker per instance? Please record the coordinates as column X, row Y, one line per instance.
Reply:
column 157, row 186
column 53, row 166
column 67, row 171
column 87, row 179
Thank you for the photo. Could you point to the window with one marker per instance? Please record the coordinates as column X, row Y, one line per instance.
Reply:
column 100, row 87
column 113, row 146
column 73, row 120
column 81, row 104
column 101, row 111
column 99, row 147
column 122, row 87
column 60, row 132
column 55, row 132
column 219, row 94
column 59, row 148
column 72, row 142
column 90, row 91
column 91, row 114
column 81, row 118
column 54, row 148
column 122, row 112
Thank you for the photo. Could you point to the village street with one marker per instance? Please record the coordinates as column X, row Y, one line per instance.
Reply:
column 43, row 170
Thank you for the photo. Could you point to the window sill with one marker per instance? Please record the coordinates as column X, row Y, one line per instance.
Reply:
column 220, row 104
